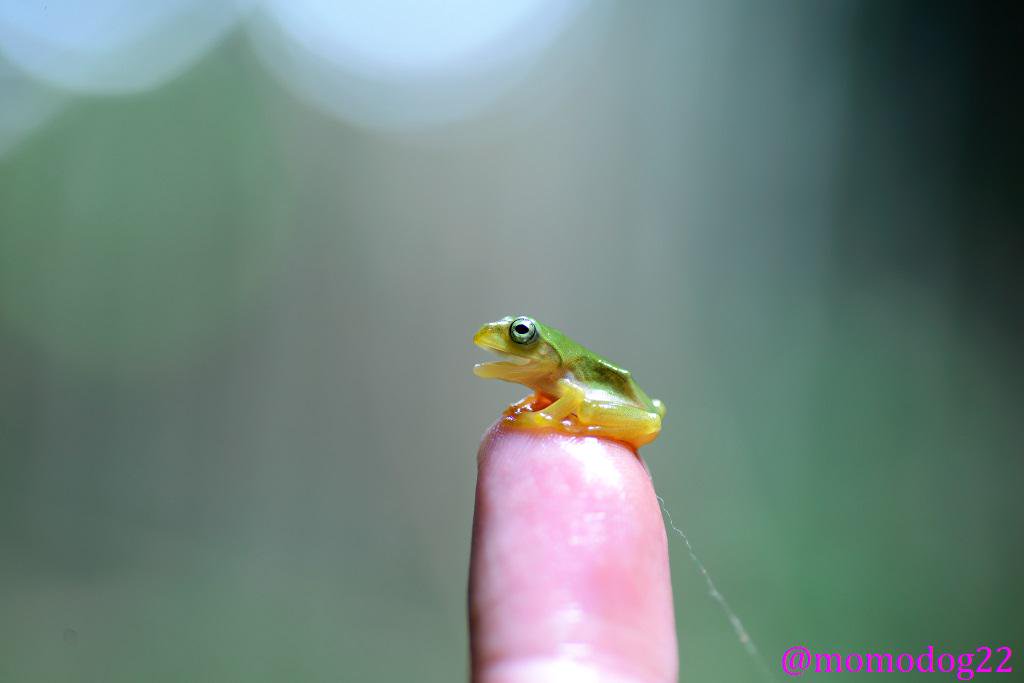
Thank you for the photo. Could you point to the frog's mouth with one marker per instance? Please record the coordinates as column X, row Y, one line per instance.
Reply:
column 507, row 364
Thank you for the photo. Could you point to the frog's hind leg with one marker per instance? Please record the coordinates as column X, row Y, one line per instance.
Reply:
column 624, row 422
column 659, row 407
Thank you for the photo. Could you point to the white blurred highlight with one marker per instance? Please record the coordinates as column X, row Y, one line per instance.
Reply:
column 111, row 46
column 402, row 63
column 387, row 64
column 26, row 106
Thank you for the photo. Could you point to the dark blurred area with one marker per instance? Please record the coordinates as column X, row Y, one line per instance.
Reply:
column 241, row 260
column 941, row 80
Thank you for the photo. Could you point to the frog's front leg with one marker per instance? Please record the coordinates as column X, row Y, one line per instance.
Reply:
column 569, row 399
column 521, row 405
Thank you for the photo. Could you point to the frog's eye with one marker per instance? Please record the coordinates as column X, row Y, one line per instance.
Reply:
column 522, row 331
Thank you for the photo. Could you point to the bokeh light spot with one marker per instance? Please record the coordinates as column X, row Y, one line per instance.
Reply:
column 111, row 46
column 401, row 64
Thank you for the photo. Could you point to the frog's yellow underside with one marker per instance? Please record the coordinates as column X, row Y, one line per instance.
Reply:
column 575, row 390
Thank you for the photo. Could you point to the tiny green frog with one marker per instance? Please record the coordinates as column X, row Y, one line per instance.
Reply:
column 575, row 390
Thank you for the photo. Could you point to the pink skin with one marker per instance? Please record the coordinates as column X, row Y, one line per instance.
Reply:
column 569, row 578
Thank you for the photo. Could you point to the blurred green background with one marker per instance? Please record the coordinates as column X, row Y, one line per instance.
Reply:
column 239, row 272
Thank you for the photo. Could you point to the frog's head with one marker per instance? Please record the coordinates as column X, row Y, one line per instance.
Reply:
column 524, row 346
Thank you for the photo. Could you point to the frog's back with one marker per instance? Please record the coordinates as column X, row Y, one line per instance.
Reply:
column 600, row 379
column 600, row 375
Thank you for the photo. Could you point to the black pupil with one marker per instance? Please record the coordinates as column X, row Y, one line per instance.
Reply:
column 521, row 328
